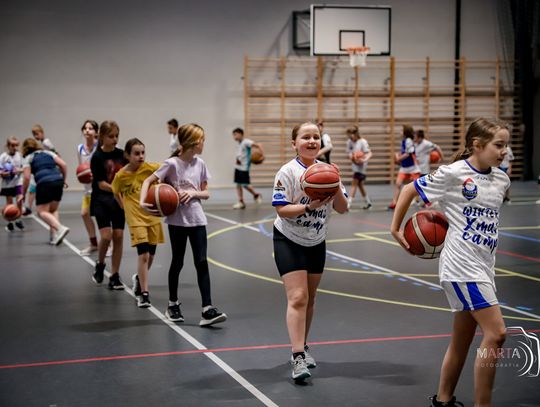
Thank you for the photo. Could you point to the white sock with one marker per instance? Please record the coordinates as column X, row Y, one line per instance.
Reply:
column 171, row 303
column 206, row 308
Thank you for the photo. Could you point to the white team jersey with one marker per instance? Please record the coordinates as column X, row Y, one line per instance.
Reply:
column 360, row 145
column 16, row 161
column 48, row 145
column 423, row 149
column 85, row 156
column 471, row 201
column 173, row 143
column 308, row 229
column 243, row 154
column 505, row 164
column 409, row 165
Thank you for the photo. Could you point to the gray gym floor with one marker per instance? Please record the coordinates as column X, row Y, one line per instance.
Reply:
column 379, row 334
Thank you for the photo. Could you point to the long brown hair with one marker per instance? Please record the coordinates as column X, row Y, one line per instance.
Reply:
column 30, row 145
column 297, row 128
column 481, row 130
column 106, row 128
column 189, row 135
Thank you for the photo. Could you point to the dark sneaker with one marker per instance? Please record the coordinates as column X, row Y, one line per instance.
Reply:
column 10, row 227
column 212, row 316
column 27, row 211
column 136, row 287
column 19, row 225
column 143, row 301
column 174, row 314
column 300, row 370
column 367, row 206
column 115, row 283
column 392, row 206
column 451, row 403
column 98, row 273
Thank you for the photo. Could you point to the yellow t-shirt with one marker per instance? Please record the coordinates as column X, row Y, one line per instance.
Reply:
column 128, row 185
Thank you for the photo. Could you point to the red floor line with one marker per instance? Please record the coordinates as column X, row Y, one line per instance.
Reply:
column 232, row 349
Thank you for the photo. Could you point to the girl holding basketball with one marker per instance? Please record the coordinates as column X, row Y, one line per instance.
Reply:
column 188, row 174
column 300, row 231
column 470, row 192
column 106, row 162
column 359, row 154
column 11, row 167
column 145, row 229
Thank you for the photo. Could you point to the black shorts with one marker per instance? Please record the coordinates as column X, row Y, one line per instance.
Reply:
column 47, row 192
column 14, row 191
column 241, row 177
column 359, row 176
column 108, row 215
column 290, row 256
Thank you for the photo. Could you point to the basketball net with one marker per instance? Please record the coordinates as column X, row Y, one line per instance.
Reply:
column 357, row 55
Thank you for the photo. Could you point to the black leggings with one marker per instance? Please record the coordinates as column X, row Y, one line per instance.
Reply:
column 197, row 240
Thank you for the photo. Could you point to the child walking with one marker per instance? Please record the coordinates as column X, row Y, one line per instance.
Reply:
column 49, row 172
column 106, row 161
column 241, row 171
column 145, row 229
column 188, row 174
column 299, row 237
column 11, row 168
column 470, row 191
column 422, row 149
column 359, row 166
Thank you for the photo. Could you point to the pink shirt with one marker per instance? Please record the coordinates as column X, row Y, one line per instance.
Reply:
column 185, row 176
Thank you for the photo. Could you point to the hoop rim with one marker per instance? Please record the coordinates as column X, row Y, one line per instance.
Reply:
column 359, row 49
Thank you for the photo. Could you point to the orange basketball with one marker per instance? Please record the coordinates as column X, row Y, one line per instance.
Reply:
column 320, row 181
column 434, row 157
column 257, row 156
column 11, row 212
column 357, row 157
column 164, row 198
column 84, row 173
column 425, row 232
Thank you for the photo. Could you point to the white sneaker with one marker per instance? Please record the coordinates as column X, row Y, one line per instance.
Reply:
column 258, row 199
column 300, row 370
column 109, row 251
column 62, row 232
column 239, row 205
column 52, row 236
column 88, row 250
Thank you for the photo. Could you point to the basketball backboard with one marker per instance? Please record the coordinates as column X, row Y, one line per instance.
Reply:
column 335, row 28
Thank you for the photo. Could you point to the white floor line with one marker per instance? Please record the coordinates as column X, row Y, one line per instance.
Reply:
column 396, row 273
column 212, row 356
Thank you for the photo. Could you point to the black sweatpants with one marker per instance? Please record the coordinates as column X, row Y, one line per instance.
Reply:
column 197, row 239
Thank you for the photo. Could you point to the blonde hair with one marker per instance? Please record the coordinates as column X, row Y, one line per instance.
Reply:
column 353, row 130
column 37, row 128
column 188, row 136
column 11, row 139
column 481, row 130
column 297, row 128
column 106, row 128
column 30, row 145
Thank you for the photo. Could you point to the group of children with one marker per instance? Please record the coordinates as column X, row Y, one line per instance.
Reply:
column 122, row 178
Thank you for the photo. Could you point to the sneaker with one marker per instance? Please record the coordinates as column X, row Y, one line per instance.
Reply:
column 88, row 251
column 212, row 316
column 392, row 206
column 98, row 273
column 239, row 205
column 144, row 300
column 451, row 403
column 19, row 225
column 367, row 206
column 27, row 211
column 109, row 251
column 10, row 227
column 174, row 314
column 349, row 203
column 310, row 361
column 59, row 236
column 258, row 199
column 115, row 283
column 136, row 286
column 300, row 370
column 52, row 236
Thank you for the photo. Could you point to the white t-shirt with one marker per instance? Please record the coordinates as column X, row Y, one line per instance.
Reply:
column 308, row 229
column 360, row 145
column 423, row 149
column 16, row 161
column 243, row 154
column 173, row 143
column 48, row 145
column 85, row 156
column 471, row 201
column 505, row 164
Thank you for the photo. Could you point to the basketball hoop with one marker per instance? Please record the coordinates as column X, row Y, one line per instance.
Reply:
column 357, row 55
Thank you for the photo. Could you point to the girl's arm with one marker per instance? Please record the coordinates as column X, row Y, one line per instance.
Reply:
column 186, row 196
column 367, row 156
column 144, row 192
column 295, row 210
column 26, row 182
column 340, row 203
column 120, row 200
column 439, row 150
column 62, row 165
column 104, row 186
column 404, row 202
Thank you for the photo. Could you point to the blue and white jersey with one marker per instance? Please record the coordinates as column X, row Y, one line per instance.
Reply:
column 471, row 201
column 85, row 156
column 243, row 155
column 422, row 151
column 10, row 163
column 409, row 164
column 308, row 229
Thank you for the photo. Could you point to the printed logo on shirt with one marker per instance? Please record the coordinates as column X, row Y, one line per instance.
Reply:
column 278, row 196
column 422, row 181
column 470, row 190
column 279, row 186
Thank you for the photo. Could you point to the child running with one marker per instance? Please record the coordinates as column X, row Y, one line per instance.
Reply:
column 188, row 174
column 300, row 231
column 106, row 162
column 11, row 168
column 49, row 172
column 241, row 171
column 145, row 229
column 356, row 143
column 470, row 192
